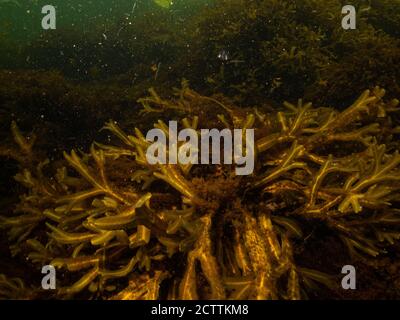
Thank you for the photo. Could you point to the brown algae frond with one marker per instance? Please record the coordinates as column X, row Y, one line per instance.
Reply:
column 116, row 227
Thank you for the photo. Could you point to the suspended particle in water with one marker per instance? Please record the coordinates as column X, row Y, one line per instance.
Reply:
column 223, row 55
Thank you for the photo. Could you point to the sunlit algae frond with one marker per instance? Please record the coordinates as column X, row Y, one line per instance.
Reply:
column 116, row 227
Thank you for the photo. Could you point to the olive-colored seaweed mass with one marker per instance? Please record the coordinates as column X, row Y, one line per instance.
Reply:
column 117, row 227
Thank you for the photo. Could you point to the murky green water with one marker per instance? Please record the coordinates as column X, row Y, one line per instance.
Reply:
column 21, row 19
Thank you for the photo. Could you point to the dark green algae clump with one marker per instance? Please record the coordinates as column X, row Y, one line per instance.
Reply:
column 249, row 56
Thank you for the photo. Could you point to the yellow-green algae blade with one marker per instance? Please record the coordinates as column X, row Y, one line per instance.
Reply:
column 163, row 3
